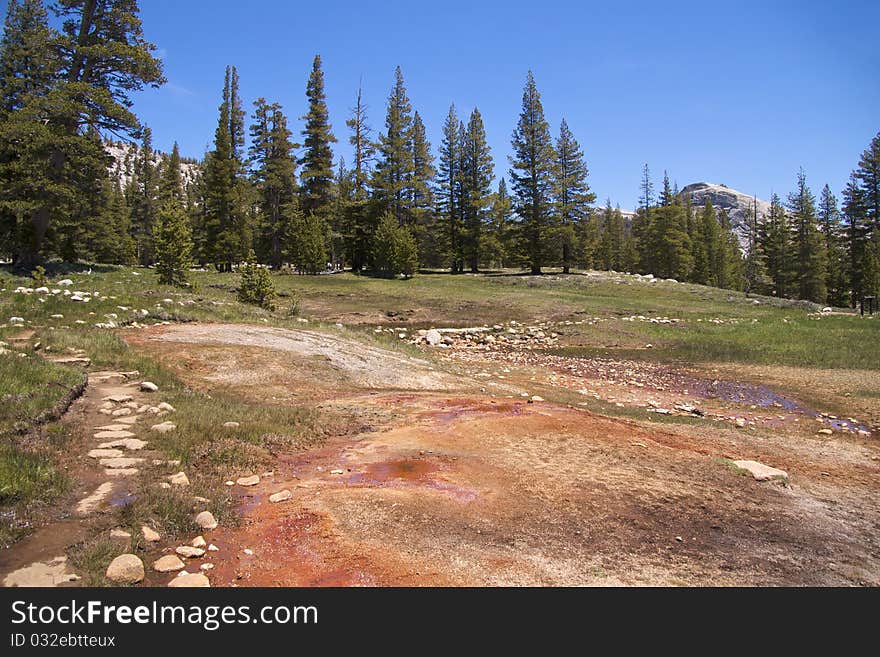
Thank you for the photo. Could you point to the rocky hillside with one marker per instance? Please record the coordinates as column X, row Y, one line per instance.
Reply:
column 736, row 204
column 127, row 154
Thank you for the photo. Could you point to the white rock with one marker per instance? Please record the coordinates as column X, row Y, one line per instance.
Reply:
column 198, row 542
column 64, row 283
column 164, row 427
column 167, row 564
column 206, row 520
column 253, row 480
column 165, row 406
column 280, row 496
column 189, row 551
column 190, row 580
column 149, row 534
column 231, row 425
column 433, row 337
column 179, row 479
column 149, row 386
column 760, row 471
column 126, row 569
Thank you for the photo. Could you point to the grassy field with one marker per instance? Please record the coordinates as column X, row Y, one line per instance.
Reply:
column 611, row 315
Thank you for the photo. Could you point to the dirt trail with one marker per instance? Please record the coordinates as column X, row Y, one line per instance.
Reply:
column 105, row 456
column 469, row 488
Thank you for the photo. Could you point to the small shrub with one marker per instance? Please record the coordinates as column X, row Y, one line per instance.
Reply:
column 256, row 285
column 39, row 276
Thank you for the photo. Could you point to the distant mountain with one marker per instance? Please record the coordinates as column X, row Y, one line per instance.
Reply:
column 735, row 203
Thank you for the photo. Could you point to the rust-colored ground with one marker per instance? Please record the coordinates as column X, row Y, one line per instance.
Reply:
column 462, row 487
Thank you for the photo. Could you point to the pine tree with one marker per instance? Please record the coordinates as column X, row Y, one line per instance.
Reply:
column 421, row 201
column 706, row 248
column 256, row 285
column 476, row 179
column 273, row 173
column 776, row 248
column 226, row 226
column 496, row 246
column 449, row 191
column 830, row 227
column 173, row 244
column 171, row 181
column 317, row 161
column 364, row 149
column 811, row 257
column 28, row 65
column 145, row 203
column 532, row 176
column 572, row 194
column 310, row 247
column 731, row 269
column 406, row 252
column 392, row 177
column 754, row 271
column 384, row 241
column 856, row 230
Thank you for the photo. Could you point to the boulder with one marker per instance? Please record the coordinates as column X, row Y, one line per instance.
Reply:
column 164, row 427
column 252, row 480
column 126, row 569
column 167, row 564
column 150, row 535
column 433, row 337
column 280, row 496
column 149, row 386
column 190, row 580
column 760, row 471
column 189, row 551
column 206, row 520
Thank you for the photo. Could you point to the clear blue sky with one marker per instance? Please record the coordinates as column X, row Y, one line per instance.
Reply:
column 741, row 93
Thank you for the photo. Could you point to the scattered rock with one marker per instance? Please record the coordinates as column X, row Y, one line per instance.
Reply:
column 199, row 542
column 104, row 453
column 206, row 520
column 126, row 569
column 90, row 503
column 119, row 412
column 281, row 496
column 740, row 422
column 189, row 551
column 167, row 564
column 41, row 574
column 248, row 552
column 120, row 534
column 433, row 337
column 190, row 580
column 207, row 566
column 760, row 471
column 149, row 386
column 165, row 406
column 231, row 425
column 337, row 471
column 537, row 398
column 213, row 548
column 120, row 472
column 164, row 427
column 179, row 479
column 117, row 434
column 825, row 432
column 149, row 534
column 120, row 462
column 132, row 444
column 253, row 480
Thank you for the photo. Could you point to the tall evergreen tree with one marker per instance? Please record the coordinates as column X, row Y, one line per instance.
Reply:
column 707, row 247
column 421, row 201
column 225, row 218
column 830, row 227
column 317, row 161
column 171, row 181
column 476, row 178
column 102, row 58
column 145, row 202
column 497, row 243
column 572, row 195
column 532, row 176
column 392, row 177
column 359, row 219
column 449, row 191
column 273, row 173
column 28, row 65
column 776, row 247
column 811, row 257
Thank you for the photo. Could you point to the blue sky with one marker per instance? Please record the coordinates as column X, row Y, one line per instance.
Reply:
column 740, row 93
